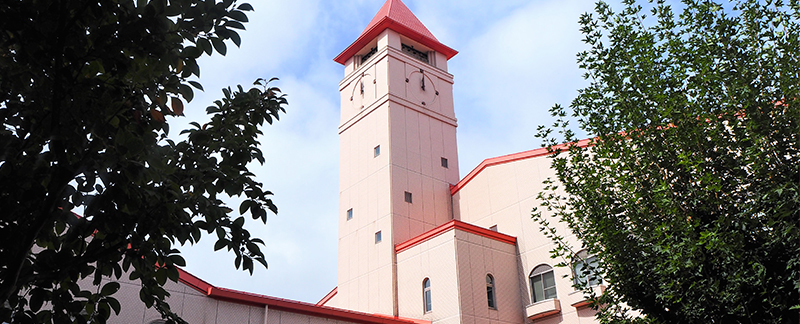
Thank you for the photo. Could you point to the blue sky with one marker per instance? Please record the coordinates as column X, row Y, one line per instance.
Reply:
column 516, row 60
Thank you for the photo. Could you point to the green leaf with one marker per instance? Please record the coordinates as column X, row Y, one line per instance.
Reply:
column 234, row 24
column 204, row 45
column 219, row 45
column 235, row 38
column 197, row 85
column 36, row 300
column 237, row 15
column 110, row 288
column 245, row 7
column 177, row 260
column 220, row 244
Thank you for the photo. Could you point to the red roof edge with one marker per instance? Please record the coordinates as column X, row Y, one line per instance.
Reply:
column 387, row 23
column 193, row 281
column 328, row 297
column 287, row 305
column 459, row 225
column 511, row 158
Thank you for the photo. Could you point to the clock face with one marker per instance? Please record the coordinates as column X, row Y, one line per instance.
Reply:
column 363, row 91
column 421, row 88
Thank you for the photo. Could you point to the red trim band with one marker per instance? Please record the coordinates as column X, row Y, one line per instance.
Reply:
column 510, row 158
column 459, row 225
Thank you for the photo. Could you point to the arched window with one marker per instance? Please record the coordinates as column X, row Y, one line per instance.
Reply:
column 426, row 295
column 490, row 291
column 585, row 270
column 543, row 283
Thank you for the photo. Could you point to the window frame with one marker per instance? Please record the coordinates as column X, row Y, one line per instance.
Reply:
column 582, row 258
column 427, row 304
column 541, row 271
column 491, row 292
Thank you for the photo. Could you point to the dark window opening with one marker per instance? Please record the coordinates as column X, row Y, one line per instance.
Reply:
column 369, row 54
column 426, row 295
column 490, row 291
column 415, row 53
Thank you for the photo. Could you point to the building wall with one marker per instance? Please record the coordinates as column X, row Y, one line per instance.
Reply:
column 188, row 303
column 434, row 259
column 478, row 256
column 457, row 262
column 504, row 195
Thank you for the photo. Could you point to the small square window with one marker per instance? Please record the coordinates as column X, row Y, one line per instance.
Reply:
column 350, row 214
column 408, row 197
column 377, row 237
column 377, row 151
column 444, row 163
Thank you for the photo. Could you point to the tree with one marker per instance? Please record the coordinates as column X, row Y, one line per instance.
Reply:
column 687, row 192
column 86, row 88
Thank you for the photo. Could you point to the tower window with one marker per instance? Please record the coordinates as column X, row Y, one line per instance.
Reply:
column 444, row 163
column 350, row 214
column 415, row 53
column 409, row 197
column 377, row 151
column 369, row 54
column 426, row 295
column 377, row 237
column 490, row 291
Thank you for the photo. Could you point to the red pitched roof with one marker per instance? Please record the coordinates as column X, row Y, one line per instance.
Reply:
column 396, row 16
column 287, row 305
column 396, row 10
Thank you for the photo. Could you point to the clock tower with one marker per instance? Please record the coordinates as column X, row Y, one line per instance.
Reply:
column 398, row 152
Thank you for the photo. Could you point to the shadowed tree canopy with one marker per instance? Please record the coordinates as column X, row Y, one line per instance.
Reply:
column 688, row 191
column 87, row 89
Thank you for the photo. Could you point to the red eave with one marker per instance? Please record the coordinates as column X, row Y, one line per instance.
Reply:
column 396, row 16
column 287, row 305
column 328, row 297
column 459, row 225
column 510, row 158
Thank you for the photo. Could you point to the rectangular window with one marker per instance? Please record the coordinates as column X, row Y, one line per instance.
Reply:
column 377, row 151
column 544, row 286
column 415, row 53
column 408, row 197
column 585, row 270
column 350, row 214
column 444, row 163
column 369, row 54
column 377, row 237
